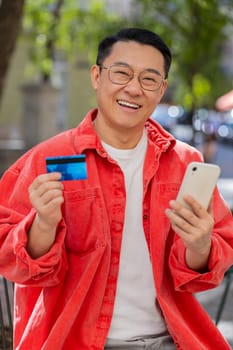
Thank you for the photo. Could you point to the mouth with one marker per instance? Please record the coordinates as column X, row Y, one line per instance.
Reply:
column 127, row 104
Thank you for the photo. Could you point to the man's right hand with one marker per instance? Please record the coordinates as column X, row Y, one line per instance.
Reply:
column 46, row 196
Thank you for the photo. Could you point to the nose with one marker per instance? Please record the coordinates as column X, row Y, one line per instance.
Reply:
column 134, row 87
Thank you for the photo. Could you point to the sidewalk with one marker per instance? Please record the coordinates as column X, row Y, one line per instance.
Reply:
column 210, row 301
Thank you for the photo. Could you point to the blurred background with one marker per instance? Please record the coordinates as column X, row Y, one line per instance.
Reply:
column 48, row 46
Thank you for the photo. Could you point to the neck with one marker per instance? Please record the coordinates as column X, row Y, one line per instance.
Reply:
column 118, row 138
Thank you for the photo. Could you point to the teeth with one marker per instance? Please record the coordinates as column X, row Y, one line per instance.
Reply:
column 128, row 104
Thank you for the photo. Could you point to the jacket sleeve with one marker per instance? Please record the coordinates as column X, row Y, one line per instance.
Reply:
column 16, row 217
column 221, row 256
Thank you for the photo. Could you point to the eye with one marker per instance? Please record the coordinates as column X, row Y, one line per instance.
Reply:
column 150, row 79
column 122, row 71
column 120, row 75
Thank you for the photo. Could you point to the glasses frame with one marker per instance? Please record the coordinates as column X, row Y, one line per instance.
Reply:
column 108, row 68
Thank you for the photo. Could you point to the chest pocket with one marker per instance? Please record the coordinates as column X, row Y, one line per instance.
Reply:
column 86, row 220
column 166, row 191
column 161, row 194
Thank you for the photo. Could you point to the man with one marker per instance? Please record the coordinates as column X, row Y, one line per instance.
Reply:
column 111, row 261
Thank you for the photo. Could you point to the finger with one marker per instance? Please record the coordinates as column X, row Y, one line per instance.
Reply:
column 51, row 195
column 183, row 212
column 201, row 221
column 43, row 178
column 49, row 188
column 45, row 182
column 210, row 207
column 195, row 206
column 49, row 205
column 178, row 222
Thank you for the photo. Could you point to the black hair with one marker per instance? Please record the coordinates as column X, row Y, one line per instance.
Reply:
column 142, row 36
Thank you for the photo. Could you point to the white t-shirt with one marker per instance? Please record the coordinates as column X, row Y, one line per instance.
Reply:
column 135, row 313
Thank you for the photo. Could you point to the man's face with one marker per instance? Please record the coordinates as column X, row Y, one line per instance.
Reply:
column 127, row 107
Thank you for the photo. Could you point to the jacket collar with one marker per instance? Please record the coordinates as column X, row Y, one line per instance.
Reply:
column 85, row 136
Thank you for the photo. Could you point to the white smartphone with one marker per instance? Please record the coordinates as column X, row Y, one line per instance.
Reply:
column 199, row 181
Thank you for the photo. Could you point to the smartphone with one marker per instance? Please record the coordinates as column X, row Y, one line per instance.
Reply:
column 199, row 181
column 70, row 167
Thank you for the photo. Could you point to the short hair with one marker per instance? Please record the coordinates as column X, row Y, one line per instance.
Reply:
column 139, row 35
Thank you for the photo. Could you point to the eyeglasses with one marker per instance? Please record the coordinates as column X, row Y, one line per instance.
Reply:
column 123, row 74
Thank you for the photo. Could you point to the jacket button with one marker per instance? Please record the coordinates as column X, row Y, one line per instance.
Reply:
column 145, row 217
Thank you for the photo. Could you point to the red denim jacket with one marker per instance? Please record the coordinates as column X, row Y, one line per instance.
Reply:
column 64, row 299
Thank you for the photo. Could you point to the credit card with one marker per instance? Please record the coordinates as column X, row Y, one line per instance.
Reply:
column 71, row 167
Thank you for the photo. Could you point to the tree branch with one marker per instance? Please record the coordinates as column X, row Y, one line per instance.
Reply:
column 11, row 13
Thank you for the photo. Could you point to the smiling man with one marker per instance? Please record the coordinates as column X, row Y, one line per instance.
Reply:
column 127, row 91
column 111, row 260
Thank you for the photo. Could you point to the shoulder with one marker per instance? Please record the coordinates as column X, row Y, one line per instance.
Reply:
column 184, row 150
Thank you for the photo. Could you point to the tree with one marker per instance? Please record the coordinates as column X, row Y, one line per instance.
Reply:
column 42, row 31
column 56, row 32
column 60, row 27
column 195, row 31
column 11, row 13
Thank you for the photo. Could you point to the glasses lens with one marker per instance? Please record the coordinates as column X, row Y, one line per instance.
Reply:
column 150, row 81
column 120, row 75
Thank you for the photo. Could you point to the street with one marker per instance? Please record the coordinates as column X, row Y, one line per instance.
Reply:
column 224, row 158
column 210, row 300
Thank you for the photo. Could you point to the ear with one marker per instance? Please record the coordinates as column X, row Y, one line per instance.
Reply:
column 95, row 75
column 163, row 89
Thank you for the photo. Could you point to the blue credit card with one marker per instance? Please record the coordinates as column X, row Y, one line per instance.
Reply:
column 71, row 167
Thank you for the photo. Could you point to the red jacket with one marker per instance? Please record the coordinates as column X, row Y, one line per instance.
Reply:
column 64, row 299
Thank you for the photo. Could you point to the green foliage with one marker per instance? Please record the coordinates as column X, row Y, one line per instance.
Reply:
column 195, row 31
column 94, row 25
column 61, row 27
column 48, row 27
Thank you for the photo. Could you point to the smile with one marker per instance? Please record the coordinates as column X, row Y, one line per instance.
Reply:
column 128, row 104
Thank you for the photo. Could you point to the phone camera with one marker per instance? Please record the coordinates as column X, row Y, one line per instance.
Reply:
column 194, row 168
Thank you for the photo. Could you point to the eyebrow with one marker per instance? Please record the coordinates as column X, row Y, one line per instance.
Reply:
column 151, row 70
